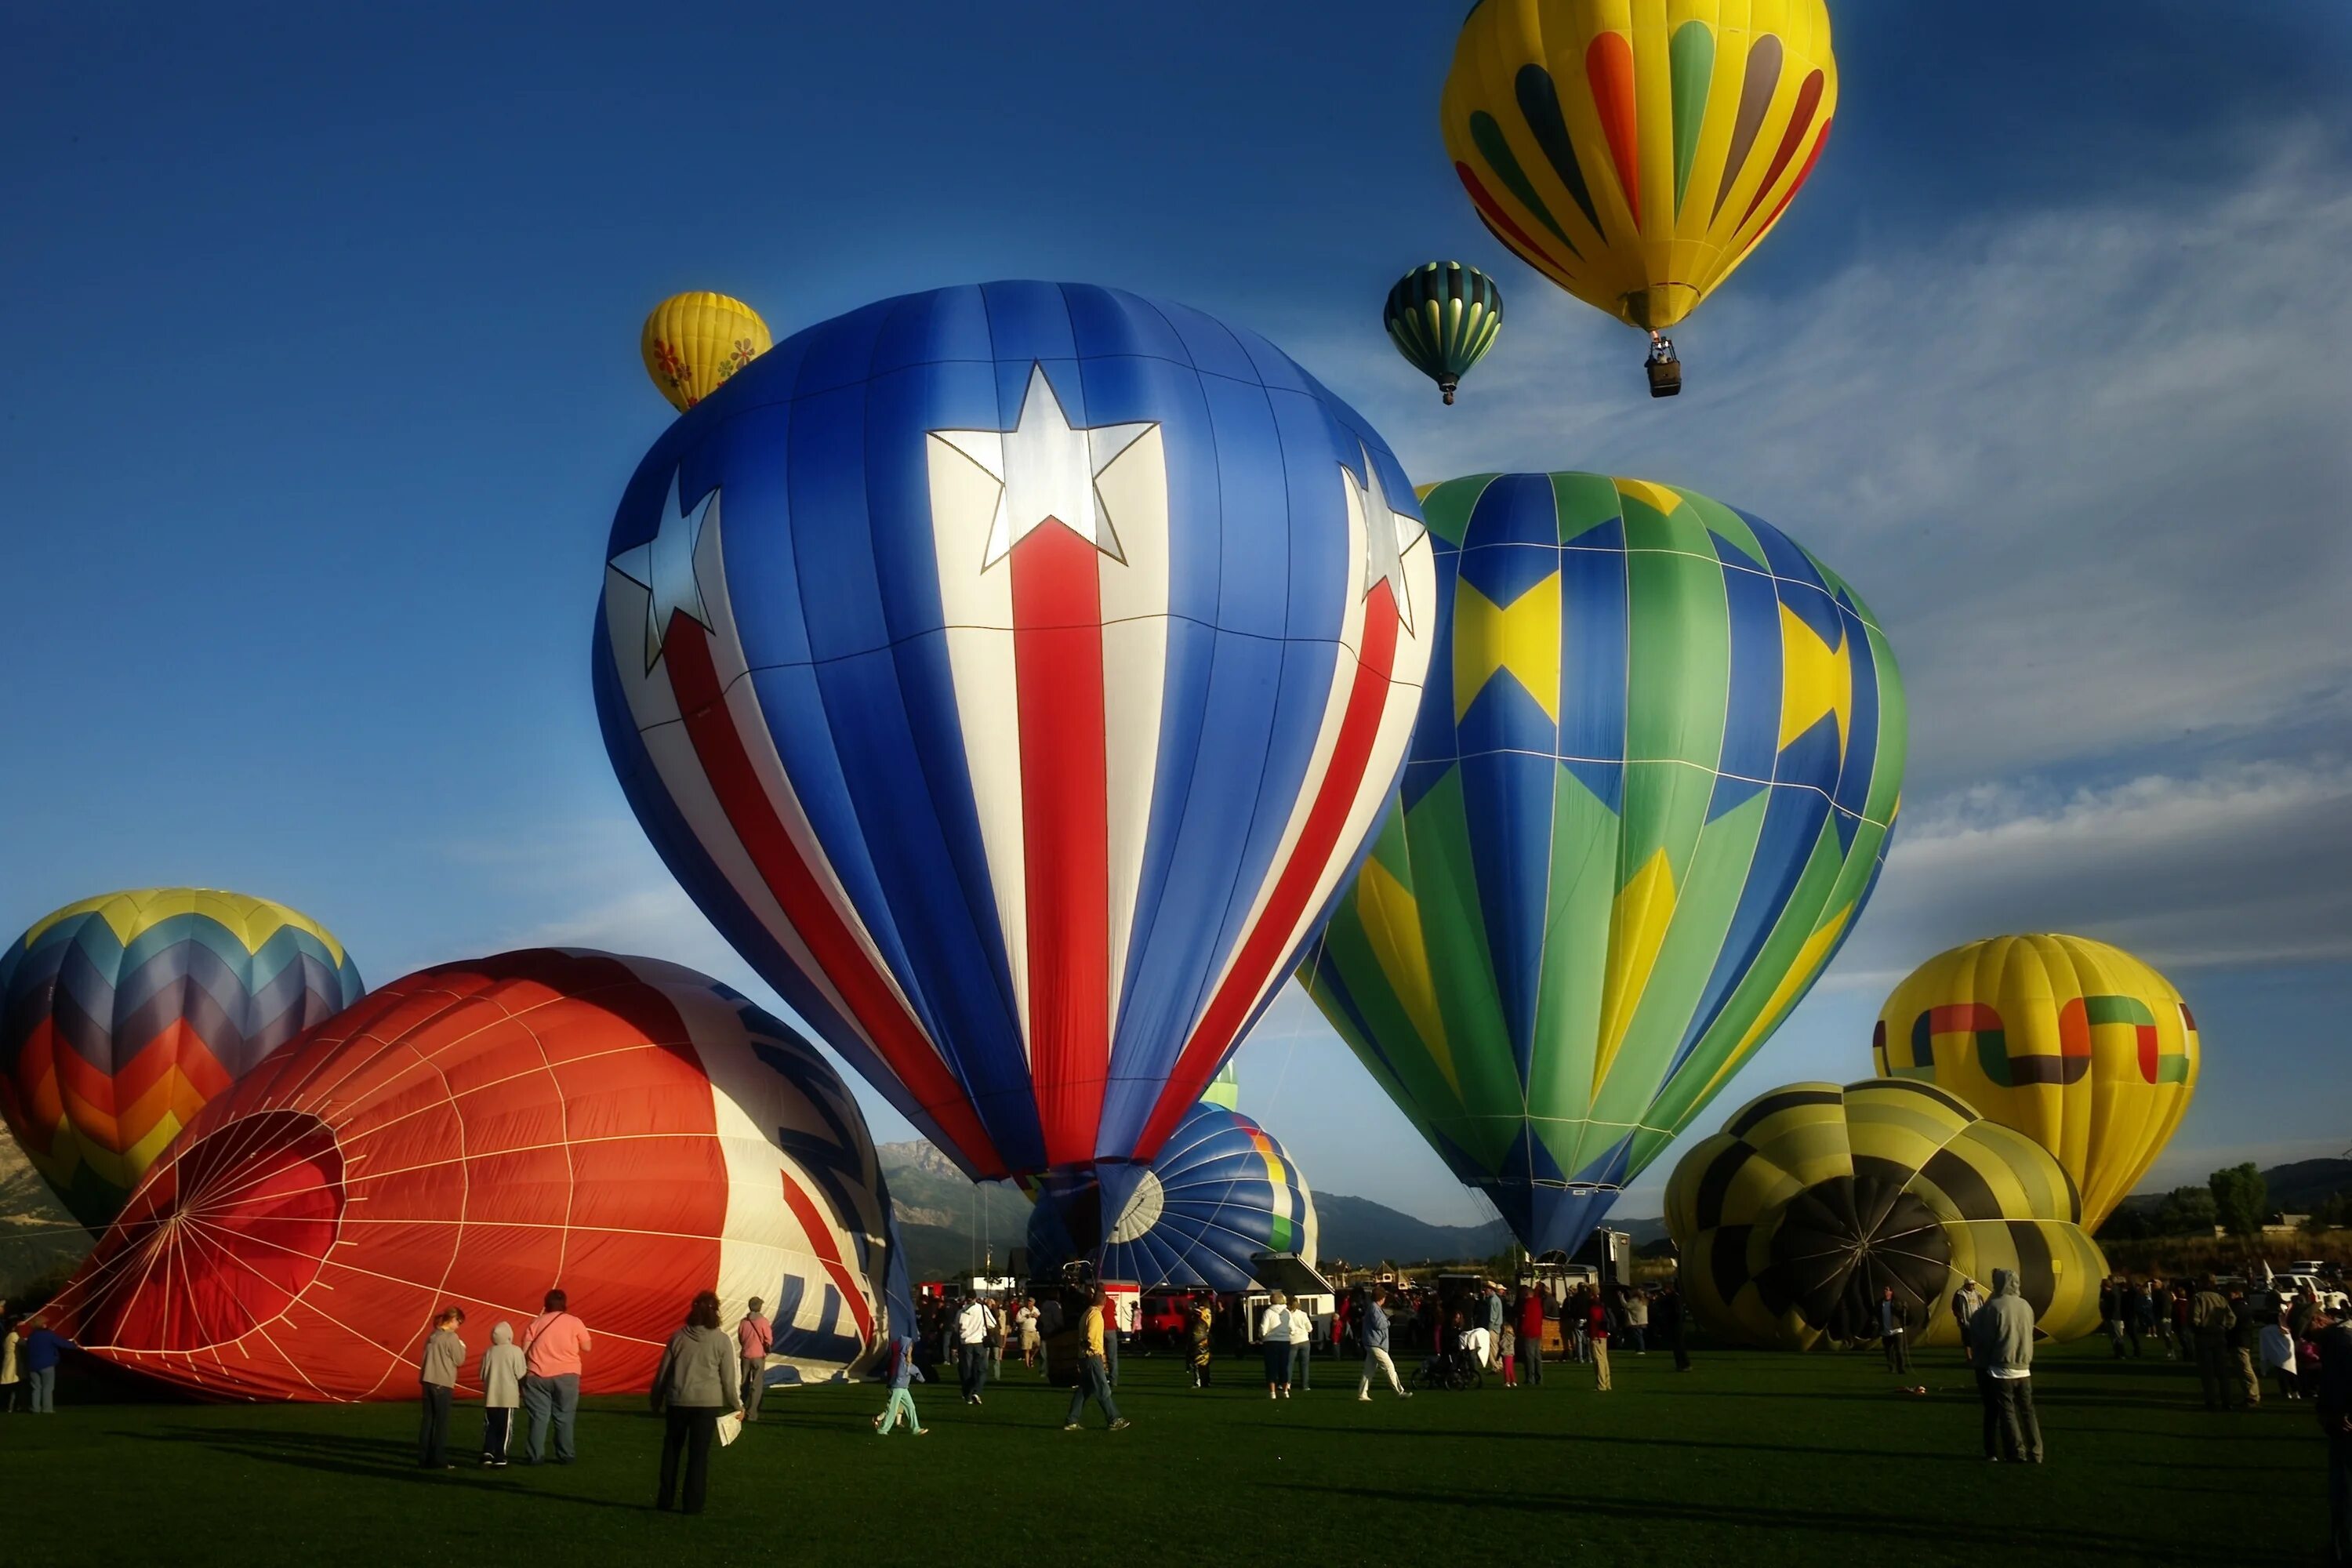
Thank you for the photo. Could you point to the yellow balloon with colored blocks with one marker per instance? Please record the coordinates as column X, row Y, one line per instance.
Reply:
column 2076, row 1044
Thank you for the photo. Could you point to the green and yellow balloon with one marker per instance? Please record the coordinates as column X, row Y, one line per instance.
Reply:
column 1813, row 1201
column 1648, row 794
column 1443, row 318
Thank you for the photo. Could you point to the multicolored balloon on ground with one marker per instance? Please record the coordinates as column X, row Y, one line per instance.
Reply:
column 476, row 1134
column 122, row 1016
column 1648, row 796
column 1221, row 1192
column 1012, row 674
column 1635, row 151
column 1813, row 1200
column 1443, row 318
column 693, row 343
column 2076, row 1044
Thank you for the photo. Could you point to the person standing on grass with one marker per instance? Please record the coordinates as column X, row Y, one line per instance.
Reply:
column 1891, row 1326
column 1373, row 1328
column 2149, row 1310
column 972, row 1346
column 1596, row 1329
column 2331, row 1391
column 44, row 1347
column 1302, row 1350
column 1027, row 1319
column 2211, row 1319
column 2246, row 1348
column 2111, row 1312
column 698, row 1380
column 2279, row 1360
column 1530, row 1328
column 1506, row 1350
column 552, row 1345
column 445, row 1352
column 1094, row 1375
column 1202, row 1322
column 1492, row 1307
column 11, row 1377
column 755, row 1337
column 1964, row 1302
column 1637, row 1321
column 2004, row 1331
column 1674, row 1313
column 1274, row 1338
column 902, row 1392
column 502, row 1370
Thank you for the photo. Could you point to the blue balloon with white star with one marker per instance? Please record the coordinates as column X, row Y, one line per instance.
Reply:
column 1014, row 673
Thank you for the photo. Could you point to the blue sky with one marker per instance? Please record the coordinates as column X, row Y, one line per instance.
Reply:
column 326, row 328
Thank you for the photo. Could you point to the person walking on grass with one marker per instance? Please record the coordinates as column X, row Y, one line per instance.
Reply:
column 1596, row 1331
column 971, row 1325
column 902, row 1391
column 755, row 1337
column 1027, row 1320
column 698, row 1380
column 445, row 1352
column 11, row 1374
column 1274, row 1338
column 1891, row 1326
column 2330, row 1387
column 1302, row 1350
column 2003, row 1330
column 502, row 1370
column 1201, row 1323
column 1530, row 1327
column 1374, row 1328
column 553, row 1344
column 1094, row 1375
column 2211, row 1321
column 2246, row 1348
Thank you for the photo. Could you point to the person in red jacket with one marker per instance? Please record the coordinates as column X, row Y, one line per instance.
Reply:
column 1531, row 1334
column 1596, row 1327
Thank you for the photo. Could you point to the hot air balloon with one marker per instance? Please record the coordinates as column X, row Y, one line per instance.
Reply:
column 1634, row 153
column 1648, row 796
column 2076, row 1043
column 1813, row 1200
column 1443, row 318
column 1225, row 1089
column 122, row 1016
column 475, row 1134
column 1012, row 674
column 694, row 342
column 1220, row 1191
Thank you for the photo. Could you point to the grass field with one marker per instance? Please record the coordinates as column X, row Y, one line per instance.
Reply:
column 1749, row 1458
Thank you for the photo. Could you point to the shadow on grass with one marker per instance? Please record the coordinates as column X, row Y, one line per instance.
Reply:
column 1614, row 1440
column 373, row 1458
column 1992, row 1536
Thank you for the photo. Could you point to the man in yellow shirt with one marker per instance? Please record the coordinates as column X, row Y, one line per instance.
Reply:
column 1094, row 1370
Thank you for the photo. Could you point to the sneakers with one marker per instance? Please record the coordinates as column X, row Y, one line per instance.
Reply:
column 922, row 1431
column 1122, row 1425
column 1363, row 1399
column 1405, row 1393
column 1071, row 1427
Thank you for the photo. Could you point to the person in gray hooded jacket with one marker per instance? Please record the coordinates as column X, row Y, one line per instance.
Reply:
column 698, row 1380
column 504, row 1366
column 2001, row 1335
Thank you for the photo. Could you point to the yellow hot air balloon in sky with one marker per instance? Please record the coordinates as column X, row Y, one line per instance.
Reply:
column 1635, row 151
column 692, row 342
column 2076, row 1044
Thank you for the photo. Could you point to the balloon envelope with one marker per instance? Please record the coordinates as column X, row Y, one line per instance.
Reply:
column 692, row 343
column 1635, row 153
column 1648, row 796
column 1012, row 673
column 1220, row 1191
column 2078, row 1045
column 122, row 1016
column 474, row 1135
column 1443, row 318
column 1814, row 1200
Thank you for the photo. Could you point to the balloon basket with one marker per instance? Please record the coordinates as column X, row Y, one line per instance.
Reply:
column 1665, row 377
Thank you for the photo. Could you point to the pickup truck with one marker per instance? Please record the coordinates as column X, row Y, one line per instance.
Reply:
column 2290, row 1286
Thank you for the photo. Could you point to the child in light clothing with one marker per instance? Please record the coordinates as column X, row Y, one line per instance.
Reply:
column 902, row 1398
column 503, row 1368
column 1509, row 1346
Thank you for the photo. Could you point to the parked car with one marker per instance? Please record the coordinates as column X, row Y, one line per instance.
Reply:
column 2290, row 1286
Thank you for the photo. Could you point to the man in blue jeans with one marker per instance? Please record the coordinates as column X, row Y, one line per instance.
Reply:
column 552, row 1347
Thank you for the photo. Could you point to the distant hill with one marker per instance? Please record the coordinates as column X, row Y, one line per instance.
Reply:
column 38, row 1239
column 2301, row 1186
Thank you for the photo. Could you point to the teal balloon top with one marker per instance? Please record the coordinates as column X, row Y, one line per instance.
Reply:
column 1442, row 317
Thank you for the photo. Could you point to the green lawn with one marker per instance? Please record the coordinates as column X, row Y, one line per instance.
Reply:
column 1763, row 1458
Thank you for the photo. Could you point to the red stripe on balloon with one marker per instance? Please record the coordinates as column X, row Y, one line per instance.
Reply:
column 1801, row 120
column 896, row 1038
column 828, row 1252
column 1490, row 212
column 1268, row 943
column 1057, row 661
column 1609, row 67
column 1804, row 175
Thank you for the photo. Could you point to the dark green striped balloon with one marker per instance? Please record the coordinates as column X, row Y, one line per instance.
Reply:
column 1443, row 318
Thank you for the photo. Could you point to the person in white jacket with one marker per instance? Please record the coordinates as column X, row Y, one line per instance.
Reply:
column 1273, row 1341
column 503, row 1368
column 2278, row 1358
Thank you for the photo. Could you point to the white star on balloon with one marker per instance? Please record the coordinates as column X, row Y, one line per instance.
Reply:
column 1388, row 534
column 664, row 566
column 1046, row 471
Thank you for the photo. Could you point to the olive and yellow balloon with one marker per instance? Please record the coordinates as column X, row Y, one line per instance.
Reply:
column 1442, row 317
column 1635, row 151
column 2075, row 1043
column 1647, row 795
column 694, row 342
column 1814, row 1200
column 122, row 1016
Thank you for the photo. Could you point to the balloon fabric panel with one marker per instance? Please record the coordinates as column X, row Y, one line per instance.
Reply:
column 1014, row 673
column 122, row 1016
column 2076, row 1043
column 474, row 1135
column 1651, row 782
column 692, row 343
column 1635, row 153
